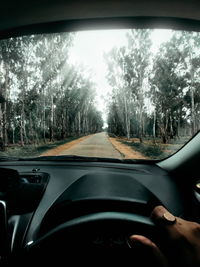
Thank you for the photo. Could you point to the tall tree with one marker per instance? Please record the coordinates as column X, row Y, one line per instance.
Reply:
column 128, row 70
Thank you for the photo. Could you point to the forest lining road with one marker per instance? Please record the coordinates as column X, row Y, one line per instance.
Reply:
column 33, row 120
column 95, row 145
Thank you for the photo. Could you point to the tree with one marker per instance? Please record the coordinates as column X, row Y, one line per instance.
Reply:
column 42, row 95
column 128, row 74
column 162, row 88
column 176, row 71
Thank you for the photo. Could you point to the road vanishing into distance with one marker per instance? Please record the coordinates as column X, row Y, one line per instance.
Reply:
column 97, row 145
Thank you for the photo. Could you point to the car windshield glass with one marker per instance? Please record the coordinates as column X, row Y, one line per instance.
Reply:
column 127, row 94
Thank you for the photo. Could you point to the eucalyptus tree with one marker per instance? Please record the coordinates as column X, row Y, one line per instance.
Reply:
column 128, row 71
column 42, row 95
column 175, row 84
column 166, row 89
column 54, row 57
column 7, row 58
column 189, row 43
column 136, row 68
column 121, row 94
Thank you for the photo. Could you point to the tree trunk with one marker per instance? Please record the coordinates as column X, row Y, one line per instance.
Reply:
column 127, row 120
column 13, row 135
column 79, row 123
column 4, row 124
column 154, row 126
column 44, row 118
column 171, row 128
column 51, row 133
column 178, row 128
column 140, row 124
column 63, row 131
column 193, row 111
column 193, row 128
column 4, row 109
column 21, row 133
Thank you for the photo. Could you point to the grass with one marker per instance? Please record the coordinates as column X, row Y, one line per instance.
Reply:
column 151, row 150
column 33, row 150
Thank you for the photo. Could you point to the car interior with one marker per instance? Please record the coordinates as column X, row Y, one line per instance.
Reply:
column 46, row 203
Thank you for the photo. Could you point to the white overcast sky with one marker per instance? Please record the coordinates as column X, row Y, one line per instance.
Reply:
column 88, row 50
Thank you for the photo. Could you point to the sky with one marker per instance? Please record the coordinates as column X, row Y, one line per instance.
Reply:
column 89, row 48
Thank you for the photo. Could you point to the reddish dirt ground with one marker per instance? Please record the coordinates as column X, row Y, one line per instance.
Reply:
column 56, row 151
column 127, row 151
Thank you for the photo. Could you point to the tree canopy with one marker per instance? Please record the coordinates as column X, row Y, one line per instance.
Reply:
column 154, row 93
column 42, row 95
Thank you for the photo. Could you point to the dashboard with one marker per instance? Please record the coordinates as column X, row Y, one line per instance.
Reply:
column 43, row 196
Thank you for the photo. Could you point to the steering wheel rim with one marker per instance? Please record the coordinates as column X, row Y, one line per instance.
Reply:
column 87, row 226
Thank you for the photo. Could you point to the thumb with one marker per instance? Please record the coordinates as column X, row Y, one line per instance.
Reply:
column 145, row 243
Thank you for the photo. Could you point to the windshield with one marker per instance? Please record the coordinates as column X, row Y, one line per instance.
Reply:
column 127, row 94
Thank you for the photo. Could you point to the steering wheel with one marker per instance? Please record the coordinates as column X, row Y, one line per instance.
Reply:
column 94, row 230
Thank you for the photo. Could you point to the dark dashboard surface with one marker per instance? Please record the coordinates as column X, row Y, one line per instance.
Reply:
column 90, row 186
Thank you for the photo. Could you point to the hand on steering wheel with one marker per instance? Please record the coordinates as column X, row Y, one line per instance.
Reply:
column 182, row 241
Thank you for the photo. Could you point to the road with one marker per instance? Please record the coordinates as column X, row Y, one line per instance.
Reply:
column 97, row 145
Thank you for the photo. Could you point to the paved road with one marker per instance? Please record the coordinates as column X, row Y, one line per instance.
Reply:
column 97, row 145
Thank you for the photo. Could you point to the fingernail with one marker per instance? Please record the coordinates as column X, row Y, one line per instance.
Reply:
column 167, row 216
column 135, row 242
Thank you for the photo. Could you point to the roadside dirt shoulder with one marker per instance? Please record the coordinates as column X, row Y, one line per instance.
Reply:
column 56, row 151
column 127, row 151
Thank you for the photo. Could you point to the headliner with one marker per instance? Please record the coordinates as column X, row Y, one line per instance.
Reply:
column 33, row 16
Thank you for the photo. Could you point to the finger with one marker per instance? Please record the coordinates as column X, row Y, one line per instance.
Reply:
column 173, row 233
column 179, row 239
column 158, row 256
column 162, row 216
column 143, row 240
